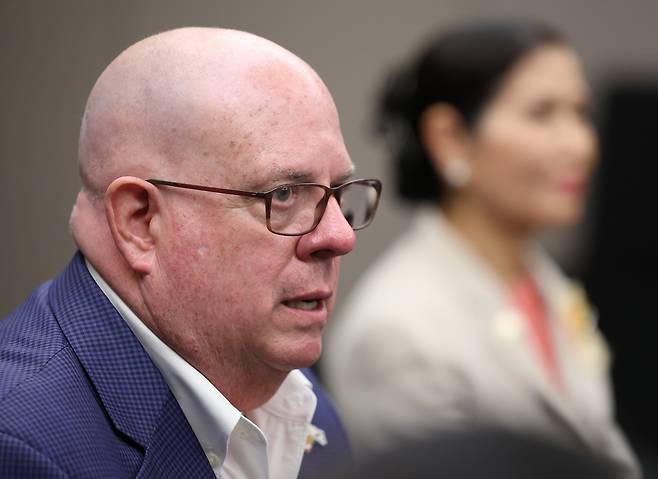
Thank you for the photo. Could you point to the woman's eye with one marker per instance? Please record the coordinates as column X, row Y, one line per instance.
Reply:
column 541, row 111
column 283, row 194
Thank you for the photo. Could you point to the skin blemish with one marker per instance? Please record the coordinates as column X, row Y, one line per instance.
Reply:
column 202, row 251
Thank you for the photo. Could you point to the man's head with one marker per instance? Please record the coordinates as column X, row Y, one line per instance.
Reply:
column 226, row 109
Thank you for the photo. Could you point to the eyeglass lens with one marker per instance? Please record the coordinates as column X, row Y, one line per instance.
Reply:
column 297, row 209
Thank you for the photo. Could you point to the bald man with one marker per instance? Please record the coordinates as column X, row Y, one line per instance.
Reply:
column 216, row 203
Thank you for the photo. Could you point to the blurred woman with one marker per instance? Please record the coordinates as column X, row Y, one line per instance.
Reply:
column 466, row 322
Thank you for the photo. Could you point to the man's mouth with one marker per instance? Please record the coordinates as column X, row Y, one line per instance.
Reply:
column 306, row 305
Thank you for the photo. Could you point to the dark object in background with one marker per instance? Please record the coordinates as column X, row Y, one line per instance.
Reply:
column 482, row 455
column 622, row 271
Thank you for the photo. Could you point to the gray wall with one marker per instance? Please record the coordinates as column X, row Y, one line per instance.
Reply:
column 52, row 51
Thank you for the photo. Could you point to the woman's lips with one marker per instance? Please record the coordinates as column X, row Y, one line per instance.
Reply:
column 575, row 186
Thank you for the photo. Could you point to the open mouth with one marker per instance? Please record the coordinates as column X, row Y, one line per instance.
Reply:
column 306, row 304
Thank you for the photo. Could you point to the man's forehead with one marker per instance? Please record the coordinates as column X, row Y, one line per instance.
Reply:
column 270, row 145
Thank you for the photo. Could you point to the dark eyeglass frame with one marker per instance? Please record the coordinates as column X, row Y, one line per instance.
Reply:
column 329, row 191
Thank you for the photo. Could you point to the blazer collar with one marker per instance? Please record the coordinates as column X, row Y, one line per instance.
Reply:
column 129, row 385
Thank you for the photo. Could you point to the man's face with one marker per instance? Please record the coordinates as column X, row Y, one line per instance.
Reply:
column 227, row 289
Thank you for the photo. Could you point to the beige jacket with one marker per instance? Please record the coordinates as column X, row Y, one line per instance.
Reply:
column 429, row 340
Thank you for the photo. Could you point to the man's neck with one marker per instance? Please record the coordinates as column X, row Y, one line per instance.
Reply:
column 246, row 390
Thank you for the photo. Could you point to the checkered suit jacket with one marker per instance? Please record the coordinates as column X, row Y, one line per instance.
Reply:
column 80, row 398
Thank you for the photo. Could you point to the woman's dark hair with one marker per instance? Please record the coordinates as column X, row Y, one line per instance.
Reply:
column 463, row 68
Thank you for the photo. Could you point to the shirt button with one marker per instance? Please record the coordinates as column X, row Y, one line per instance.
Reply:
column 213, row 459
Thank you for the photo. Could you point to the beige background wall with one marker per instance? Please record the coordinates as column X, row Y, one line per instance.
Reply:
column 52, row 51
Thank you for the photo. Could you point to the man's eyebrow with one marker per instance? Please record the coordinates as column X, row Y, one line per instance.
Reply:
column 290, row 176
column 280, row 176
column 344, row 177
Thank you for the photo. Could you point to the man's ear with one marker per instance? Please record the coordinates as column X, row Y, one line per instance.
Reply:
column 444, row 135
column 131, row 204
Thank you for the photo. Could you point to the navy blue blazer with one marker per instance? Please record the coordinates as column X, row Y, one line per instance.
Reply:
column 80, row 398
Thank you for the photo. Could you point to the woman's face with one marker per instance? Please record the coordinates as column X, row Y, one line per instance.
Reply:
column 534, row 146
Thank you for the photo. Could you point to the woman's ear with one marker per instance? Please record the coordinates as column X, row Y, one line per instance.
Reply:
column 445, row 138
column 131, row 205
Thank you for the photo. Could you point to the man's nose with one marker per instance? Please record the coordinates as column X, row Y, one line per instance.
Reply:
column 332, row 237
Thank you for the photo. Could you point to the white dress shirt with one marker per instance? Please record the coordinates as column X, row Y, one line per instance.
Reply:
column 269, row 444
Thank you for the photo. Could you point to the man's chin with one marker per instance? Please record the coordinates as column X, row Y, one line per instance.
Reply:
column 300, row 356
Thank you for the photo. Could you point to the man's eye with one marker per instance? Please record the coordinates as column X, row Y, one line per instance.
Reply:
column 283, row 194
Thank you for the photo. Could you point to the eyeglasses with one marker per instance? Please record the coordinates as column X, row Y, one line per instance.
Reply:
column 296, row 209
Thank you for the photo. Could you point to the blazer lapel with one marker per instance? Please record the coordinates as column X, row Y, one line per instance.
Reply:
column 584, row 357
column 130, row 387
column 174, row 450
column 508, row 331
